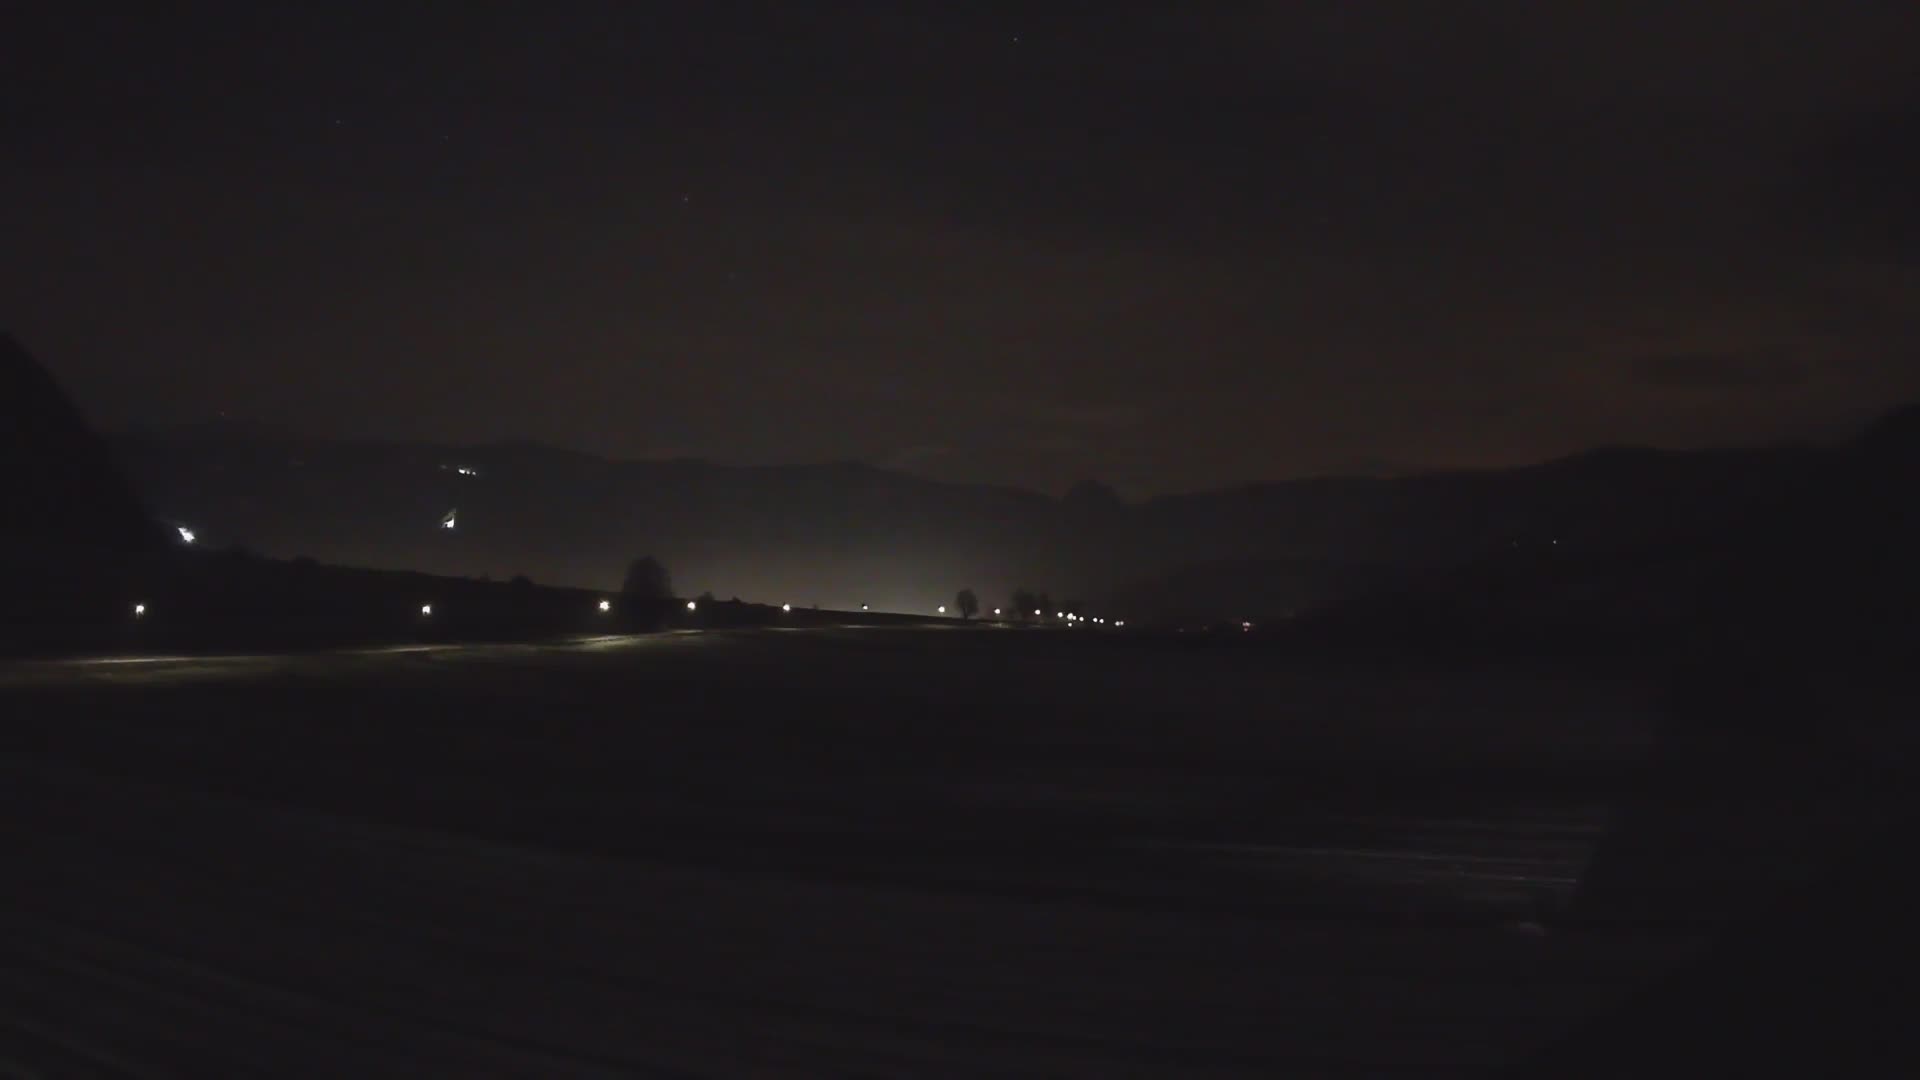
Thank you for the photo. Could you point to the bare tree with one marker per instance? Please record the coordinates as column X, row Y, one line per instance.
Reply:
column 968, row 604
column 647, row 581
column 1026, row 604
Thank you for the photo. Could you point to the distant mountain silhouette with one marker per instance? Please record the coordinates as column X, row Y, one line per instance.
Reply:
column 1790, row 553
column 1248, row 589
column 61, row 489
column 1895, row 435
column 845, row 534
column 1093, row 497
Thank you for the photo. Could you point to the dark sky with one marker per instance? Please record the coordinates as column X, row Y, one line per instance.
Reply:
column 1170, row 247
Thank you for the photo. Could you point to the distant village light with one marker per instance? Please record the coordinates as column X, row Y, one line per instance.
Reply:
column 606, row 605
column 691, row 606
column 139, row 610
column 186, row 534
column 786, row 607
column 942, row 609
column 426, row 609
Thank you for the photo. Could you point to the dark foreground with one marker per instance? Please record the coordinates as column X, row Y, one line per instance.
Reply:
column 804, row 853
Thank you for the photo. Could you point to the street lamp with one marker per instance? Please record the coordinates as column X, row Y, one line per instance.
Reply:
column 139, row 610
column 426, row 609
column 942, row 609
column 692, row 606
column 606, row 605
column 186, row 534
column 786, row 607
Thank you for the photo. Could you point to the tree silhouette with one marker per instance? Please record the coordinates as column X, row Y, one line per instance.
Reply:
column 968, row 604
column 1025, row 603
column 647, row 581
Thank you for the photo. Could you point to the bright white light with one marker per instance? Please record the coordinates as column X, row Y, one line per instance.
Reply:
column 943, row 609
column 464, row 471
column 1057, row 614
column 447, row 521
column 996, row 613
column 606, row 605
column 1246, row 626
column 1036, row 613
column 1122, row 622
column 863, row 607
column 691, row 606
column 186, row 534
column 786, row 607
column 426, row 609
column 139, row 610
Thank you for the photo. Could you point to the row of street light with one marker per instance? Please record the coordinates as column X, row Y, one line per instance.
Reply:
column 187, row 537
column 605, row 606
column 426, row 610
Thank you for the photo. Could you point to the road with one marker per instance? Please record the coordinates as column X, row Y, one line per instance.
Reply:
column 780, row 854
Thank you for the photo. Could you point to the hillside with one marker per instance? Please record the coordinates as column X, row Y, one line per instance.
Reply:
column 1818, row 561
column 61, row 487
column 845, row 534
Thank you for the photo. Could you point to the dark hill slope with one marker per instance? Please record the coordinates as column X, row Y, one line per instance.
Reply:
column 60, row 486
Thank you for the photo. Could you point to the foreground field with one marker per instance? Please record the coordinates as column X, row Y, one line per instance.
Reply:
column 814, row 852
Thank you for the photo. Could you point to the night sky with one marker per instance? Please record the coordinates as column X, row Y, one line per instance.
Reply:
column 1169, row 247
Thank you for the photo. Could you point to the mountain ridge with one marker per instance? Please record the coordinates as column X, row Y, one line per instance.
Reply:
column 847, row 533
